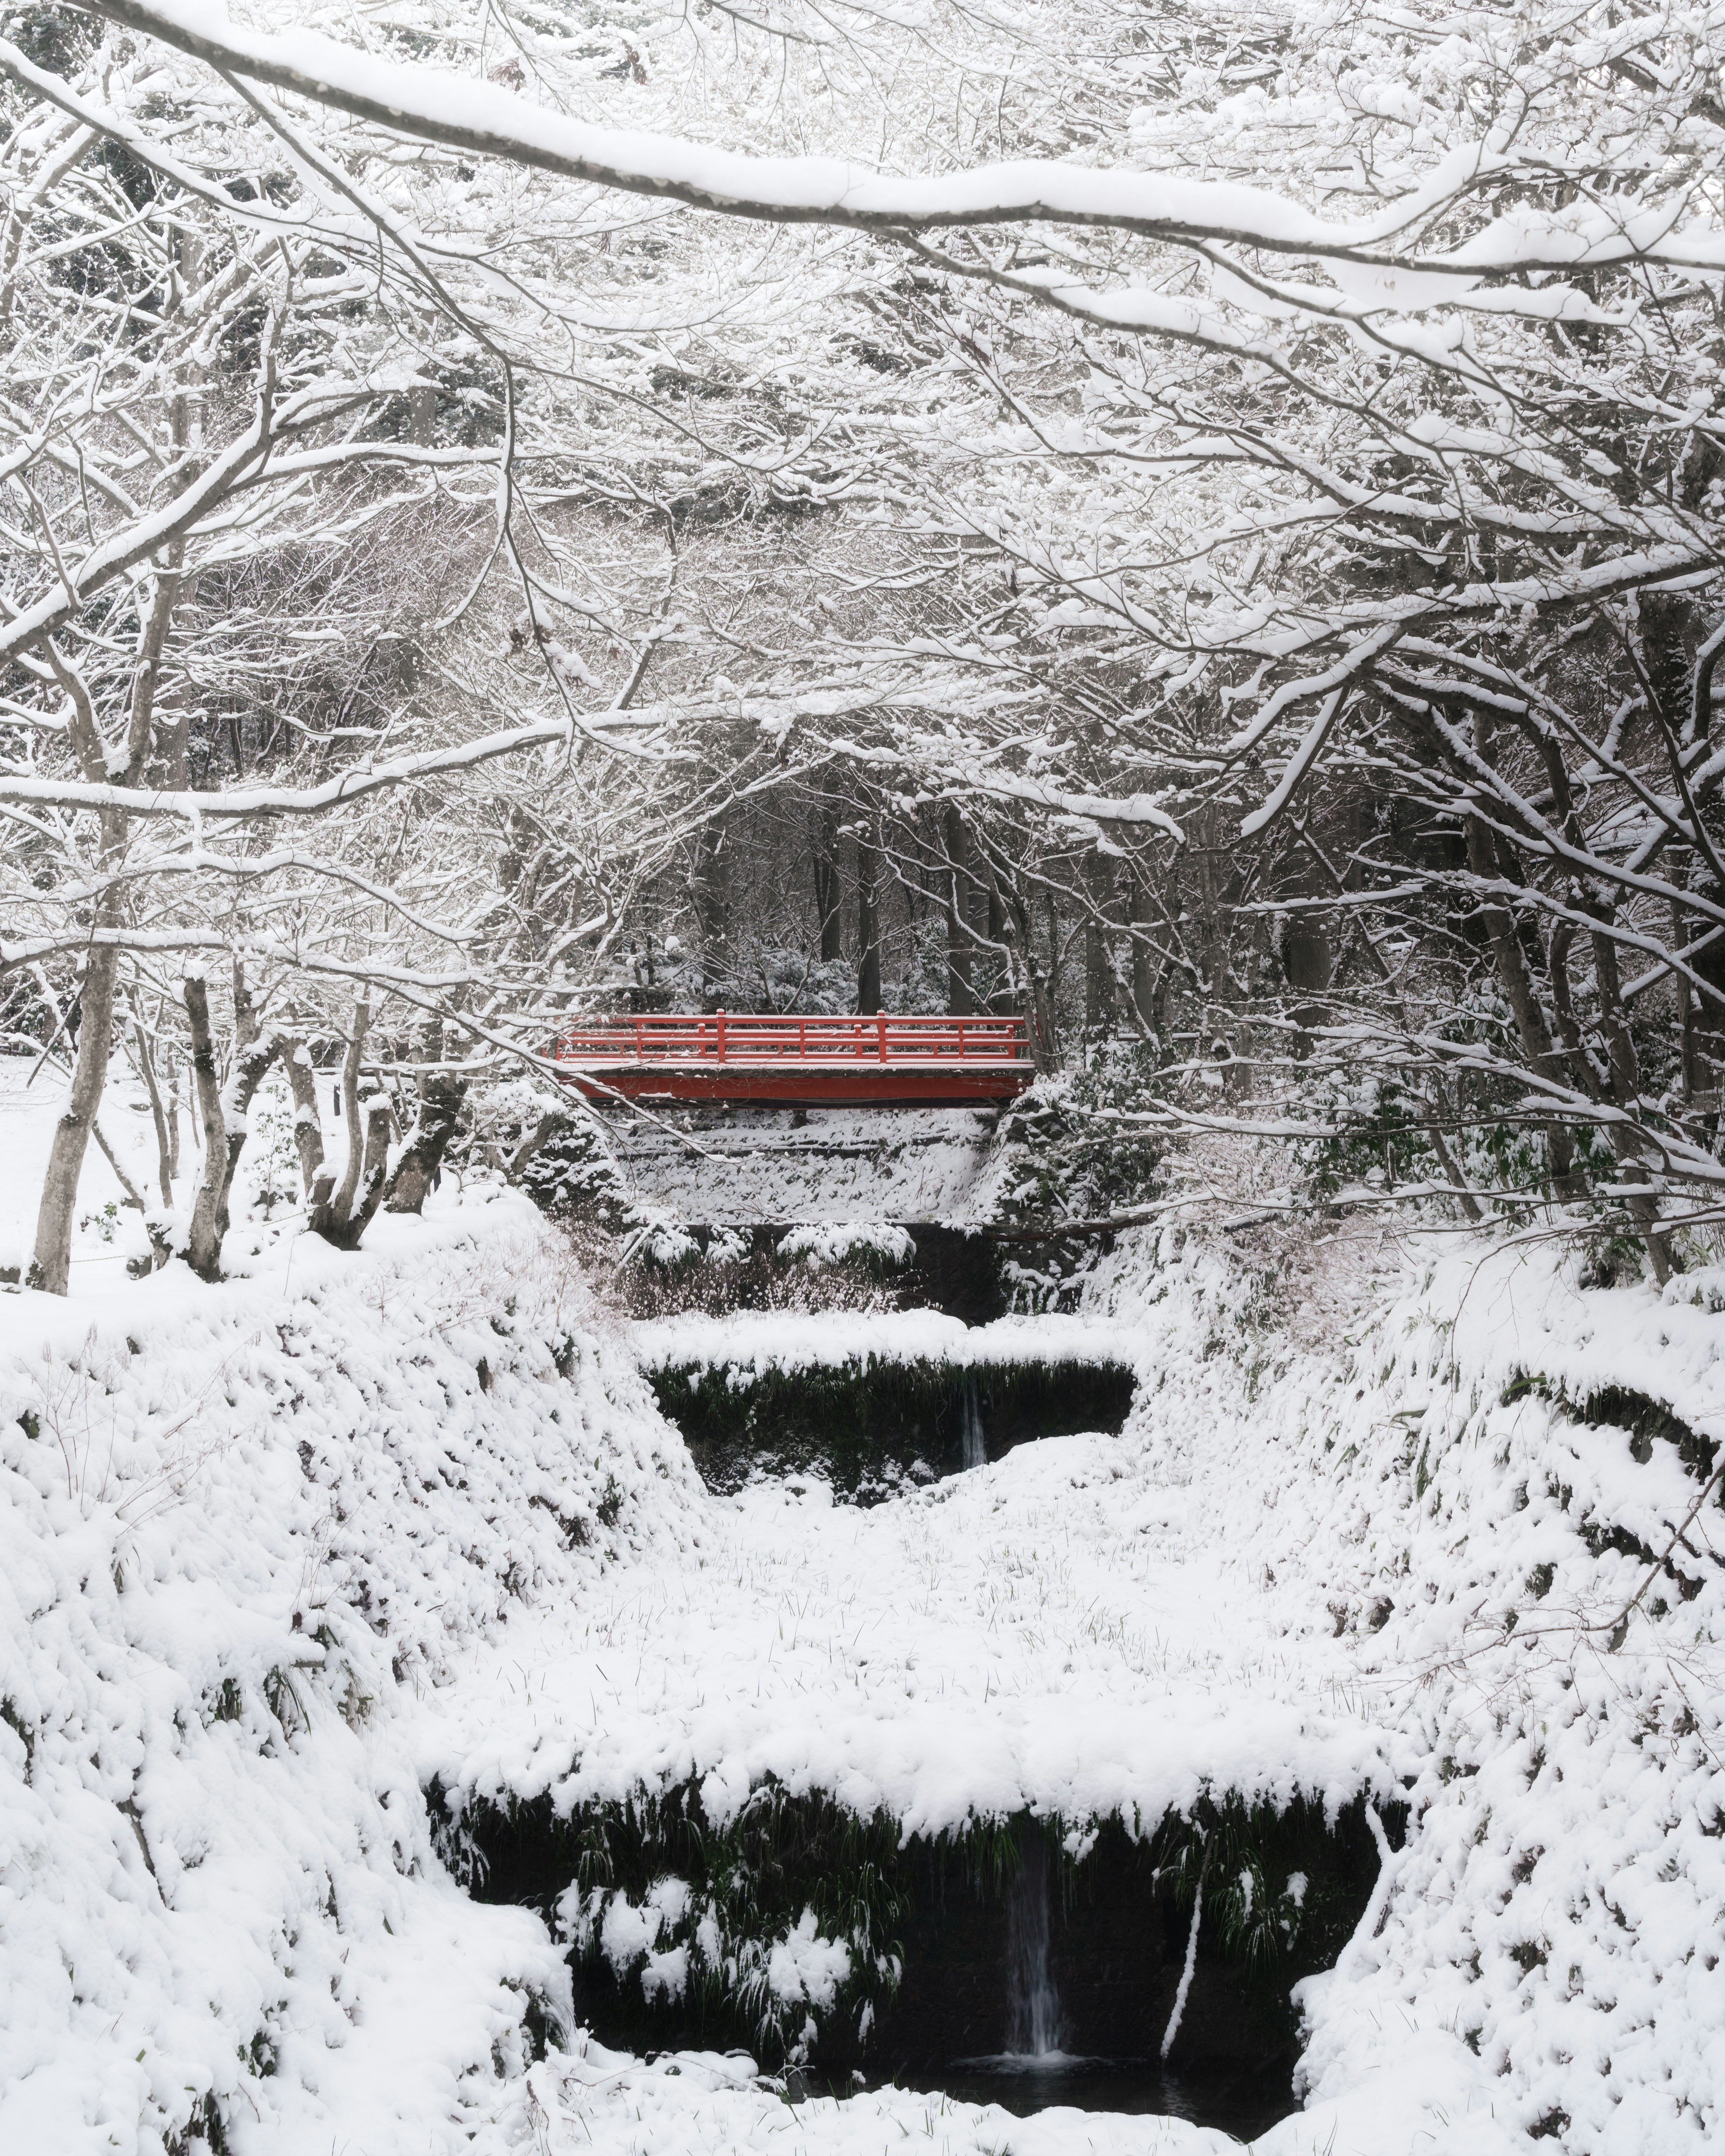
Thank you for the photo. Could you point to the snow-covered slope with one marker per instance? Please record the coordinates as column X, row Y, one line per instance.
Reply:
column 239, row 1529
column 270, row 1553
column 1471, row 1487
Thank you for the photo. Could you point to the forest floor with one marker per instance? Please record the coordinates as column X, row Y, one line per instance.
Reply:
column 273, row 1554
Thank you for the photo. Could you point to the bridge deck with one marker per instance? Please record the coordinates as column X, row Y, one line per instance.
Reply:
column 724, row 1055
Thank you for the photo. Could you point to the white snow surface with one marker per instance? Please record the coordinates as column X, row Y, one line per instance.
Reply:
column 840, row 1165
column 239, row 1529
column 748, row 1344
column 271, row 1553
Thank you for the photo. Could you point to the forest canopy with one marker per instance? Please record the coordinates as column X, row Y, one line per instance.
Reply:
column 1201, row 527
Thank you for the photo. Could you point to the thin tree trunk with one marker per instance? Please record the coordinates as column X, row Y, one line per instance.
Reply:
column 164, row 1150
column 350, row 1104
column 868, row 929
column 828, row 888
column 961, row 996
column 173, row 1121
column 1524, row 1003
column 129, row 1191
column 1098, row 963
column 712, row 905
column 308, row 1123
column 1144, row 957
column 51, row 1265
column 203, row 1243
column 245, row 1010
column 342, row 1224
column 225, row 1113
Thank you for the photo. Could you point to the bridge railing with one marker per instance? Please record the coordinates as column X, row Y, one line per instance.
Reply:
column 731, row 1037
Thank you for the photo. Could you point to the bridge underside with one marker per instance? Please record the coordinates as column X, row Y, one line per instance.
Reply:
column 803, row 1083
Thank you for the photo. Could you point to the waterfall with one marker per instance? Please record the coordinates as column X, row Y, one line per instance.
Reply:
column 1032, row 2029
column 976, row 1453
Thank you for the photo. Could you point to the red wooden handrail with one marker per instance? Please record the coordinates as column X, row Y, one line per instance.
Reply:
column 730, row 1038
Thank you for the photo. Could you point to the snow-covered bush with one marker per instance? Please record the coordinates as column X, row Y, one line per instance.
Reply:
column 876, row 1246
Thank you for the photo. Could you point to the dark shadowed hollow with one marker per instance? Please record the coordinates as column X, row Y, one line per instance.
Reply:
column 868, row 1426
column 1038, row 1966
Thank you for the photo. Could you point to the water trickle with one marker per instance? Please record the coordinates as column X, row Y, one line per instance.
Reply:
column 1034, row 2023
column 976, row 1452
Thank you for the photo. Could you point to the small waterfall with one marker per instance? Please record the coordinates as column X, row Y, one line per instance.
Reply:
column 976, row 1452
column 1033, row 2028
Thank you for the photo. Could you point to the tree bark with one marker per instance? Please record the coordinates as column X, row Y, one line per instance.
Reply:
column 1144, row 957
column 1524, row 1002
column 308, row 1123
column 868, row 929
column 343, row 1202
column 961, row 996
column 51, row 1265
column 828, row 888
column 713, row 905
column 164, row 1149
column 1098, row 967
column 441, row 1096
column 225, row 1126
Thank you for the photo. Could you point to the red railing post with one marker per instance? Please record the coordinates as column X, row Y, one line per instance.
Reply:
column 640, row 1042
column 803, row 1039
column 881, row 1028
column 720, row 1017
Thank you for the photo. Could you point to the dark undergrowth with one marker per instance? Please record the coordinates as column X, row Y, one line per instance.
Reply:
column 923, row 1922
column 869, row 1426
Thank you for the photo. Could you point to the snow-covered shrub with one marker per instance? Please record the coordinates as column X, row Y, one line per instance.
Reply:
column 876, row 1246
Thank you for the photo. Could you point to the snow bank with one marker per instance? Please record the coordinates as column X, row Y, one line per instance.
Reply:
column 837, row 1166
column 1432, row 1490
column 701, row 2104
column 749, row 1343
column 240, row 1529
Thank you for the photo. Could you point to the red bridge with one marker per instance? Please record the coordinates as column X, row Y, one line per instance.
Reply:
column 936, row 1062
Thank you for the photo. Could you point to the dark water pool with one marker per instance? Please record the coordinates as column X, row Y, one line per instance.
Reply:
column 1244, row 2105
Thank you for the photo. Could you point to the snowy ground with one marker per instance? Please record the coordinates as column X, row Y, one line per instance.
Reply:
column 1043, row 1633
column 271, row 1551
column 755, row 1341
column 838, row 1164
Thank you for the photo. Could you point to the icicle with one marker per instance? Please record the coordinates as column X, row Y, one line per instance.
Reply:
column 1172, row 2029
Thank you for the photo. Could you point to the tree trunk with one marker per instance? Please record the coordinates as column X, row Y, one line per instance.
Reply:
column 225, row 1126
column 1530, row 1017
column 164, row 1149
column 51, row 1266
column 1626, row 1090
column 868, row 929
column 350, row 1103
column 1144, row 957
column 245, row 1011
column 961, row 996
column 552, row 1124
column 441, row 1095
column 1098, row 959
column 342, row 1216
column 713, row 905
column 340, row 1220
column 204, row 1243
column 308, row 1123
column 828, row 888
